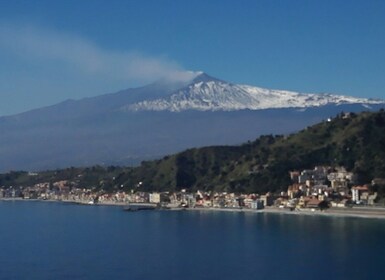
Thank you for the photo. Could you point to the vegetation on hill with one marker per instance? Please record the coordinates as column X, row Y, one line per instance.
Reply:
column 356, row 142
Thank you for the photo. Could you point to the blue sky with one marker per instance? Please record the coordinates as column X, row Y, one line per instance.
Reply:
column 54, row 50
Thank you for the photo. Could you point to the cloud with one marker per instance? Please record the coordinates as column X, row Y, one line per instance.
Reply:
column 83, row 56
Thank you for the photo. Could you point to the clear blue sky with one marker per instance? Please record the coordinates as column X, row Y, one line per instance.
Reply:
column 54, row 50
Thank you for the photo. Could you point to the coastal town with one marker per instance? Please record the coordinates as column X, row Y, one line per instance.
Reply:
column 314, row 189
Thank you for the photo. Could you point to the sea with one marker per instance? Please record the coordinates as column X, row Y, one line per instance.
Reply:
column 53, row 240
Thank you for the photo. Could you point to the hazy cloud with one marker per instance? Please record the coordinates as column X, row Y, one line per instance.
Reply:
column 85, row 57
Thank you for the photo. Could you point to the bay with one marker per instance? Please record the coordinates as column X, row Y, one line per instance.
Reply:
column 51, row 240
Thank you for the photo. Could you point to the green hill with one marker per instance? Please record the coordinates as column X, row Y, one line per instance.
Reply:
column 356, row 142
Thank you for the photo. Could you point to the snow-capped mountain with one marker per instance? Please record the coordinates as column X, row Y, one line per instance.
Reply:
column 205, row 93
column 162, row 118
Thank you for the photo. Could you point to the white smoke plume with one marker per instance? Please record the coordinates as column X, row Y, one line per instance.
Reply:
column 83, row 56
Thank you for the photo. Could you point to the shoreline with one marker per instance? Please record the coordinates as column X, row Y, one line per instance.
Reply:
column 331, row 212
column 360, row 212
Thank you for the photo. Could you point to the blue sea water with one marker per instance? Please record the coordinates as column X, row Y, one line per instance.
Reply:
column 44, row 240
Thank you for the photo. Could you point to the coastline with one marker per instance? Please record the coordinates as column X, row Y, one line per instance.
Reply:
column 374, row 213
column 354, row 212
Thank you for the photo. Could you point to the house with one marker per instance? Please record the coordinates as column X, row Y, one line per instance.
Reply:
column 257, row 204
column 359, row 193
column 341, row 178
column 267, row 199
column 154, row 197
column 313, row 203
column 295, row 190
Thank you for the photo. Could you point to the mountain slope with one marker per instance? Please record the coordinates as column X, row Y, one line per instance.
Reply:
column 210, row 94
column 356, row 142
column 122, row 128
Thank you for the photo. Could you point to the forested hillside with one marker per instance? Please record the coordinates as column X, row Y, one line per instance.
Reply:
column 355, row 141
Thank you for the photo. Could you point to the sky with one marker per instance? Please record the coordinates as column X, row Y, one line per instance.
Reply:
column 51, row 51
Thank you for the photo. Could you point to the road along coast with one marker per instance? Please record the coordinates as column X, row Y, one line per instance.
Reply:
column 372, row 212
column 357, row 212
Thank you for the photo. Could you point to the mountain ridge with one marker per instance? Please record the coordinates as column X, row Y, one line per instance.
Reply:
column 102, row 129
column 206, row 93
column 203, row 93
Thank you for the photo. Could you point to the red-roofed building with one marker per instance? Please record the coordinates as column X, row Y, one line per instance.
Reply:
column 358, row 191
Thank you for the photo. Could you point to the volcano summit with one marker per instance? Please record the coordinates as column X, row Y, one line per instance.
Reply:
column 158, row 119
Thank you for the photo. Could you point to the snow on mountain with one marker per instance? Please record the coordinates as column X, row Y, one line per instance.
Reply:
column 205, row 93
column 108, row 130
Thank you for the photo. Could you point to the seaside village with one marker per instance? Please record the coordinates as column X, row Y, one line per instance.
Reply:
column 314, row 189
